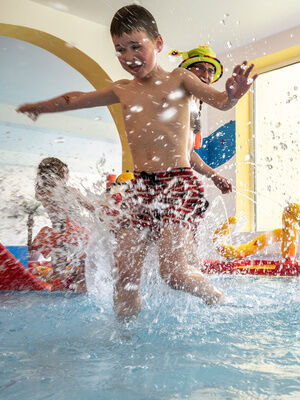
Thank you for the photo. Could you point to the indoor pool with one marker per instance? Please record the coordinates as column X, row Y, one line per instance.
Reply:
column 66, row 346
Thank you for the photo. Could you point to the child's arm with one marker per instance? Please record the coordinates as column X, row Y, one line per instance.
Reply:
column 199, row 166
column 82, row 200
column 236, row 87
column 71, row 101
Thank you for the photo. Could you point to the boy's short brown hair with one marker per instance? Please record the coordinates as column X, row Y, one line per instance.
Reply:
column 131, row 18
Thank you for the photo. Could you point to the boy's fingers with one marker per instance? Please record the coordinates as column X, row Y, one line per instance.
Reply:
column 237, row 69
column 248, row 71
column 243, row 66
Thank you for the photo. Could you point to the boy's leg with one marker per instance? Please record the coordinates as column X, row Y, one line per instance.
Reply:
column 129, row 260
column 174, row 265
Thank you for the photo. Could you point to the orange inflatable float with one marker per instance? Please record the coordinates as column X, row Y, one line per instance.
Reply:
column 236, row 263
column 287, row 235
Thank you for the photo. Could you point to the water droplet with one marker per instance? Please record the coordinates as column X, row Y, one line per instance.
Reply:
column 155, row 158
column 136, row 108
column 168, row 114
column 176, row 94
column 158, row 82
column 283, row 146
column 229, row 44
column 100, row 163
column 60, row 139
column 222, row 22
column 249, row 81
column 270, row 166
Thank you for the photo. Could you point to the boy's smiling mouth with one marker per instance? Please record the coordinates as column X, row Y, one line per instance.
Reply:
column 134, row 66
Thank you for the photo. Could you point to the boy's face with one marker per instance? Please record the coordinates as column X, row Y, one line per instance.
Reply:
column 204, row 71
column 137, row 52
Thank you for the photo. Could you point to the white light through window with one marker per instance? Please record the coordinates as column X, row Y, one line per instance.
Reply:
column 277, row 144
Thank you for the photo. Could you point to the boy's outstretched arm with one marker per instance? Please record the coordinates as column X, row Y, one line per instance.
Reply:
column 199, row 166
column 71, row 101
column 236, row 86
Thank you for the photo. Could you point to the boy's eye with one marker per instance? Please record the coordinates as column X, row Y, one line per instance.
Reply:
column 136, row 46
column 119, row 50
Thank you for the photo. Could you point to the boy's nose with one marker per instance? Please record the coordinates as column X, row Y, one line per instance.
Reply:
column 127, row 57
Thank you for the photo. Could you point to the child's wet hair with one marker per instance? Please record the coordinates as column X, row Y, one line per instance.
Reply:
column 131, row 18
column 49, row 171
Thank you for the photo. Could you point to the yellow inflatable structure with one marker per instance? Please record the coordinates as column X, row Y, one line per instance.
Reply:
column 287, row 235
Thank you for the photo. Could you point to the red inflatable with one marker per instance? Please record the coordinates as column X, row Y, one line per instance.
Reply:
column 47, row 239
column 14, row 276
column 252, row 267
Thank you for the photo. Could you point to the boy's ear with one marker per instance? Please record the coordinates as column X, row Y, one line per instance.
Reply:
column 159, row 43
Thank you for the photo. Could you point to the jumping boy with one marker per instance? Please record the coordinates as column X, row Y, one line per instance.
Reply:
column 165, row 201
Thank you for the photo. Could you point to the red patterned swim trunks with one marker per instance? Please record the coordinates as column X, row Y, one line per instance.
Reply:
column 153, row 200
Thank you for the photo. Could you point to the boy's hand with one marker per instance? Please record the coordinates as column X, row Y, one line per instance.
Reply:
column 222, row 183
column 31, row 110
column 240, row 83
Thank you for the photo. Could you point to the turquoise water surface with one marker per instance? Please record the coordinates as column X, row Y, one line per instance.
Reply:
column 70, row 346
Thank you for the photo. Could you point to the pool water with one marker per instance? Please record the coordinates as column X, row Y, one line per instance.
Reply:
column 70, row 346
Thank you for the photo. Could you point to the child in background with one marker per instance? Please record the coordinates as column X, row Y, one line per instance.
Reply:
column 65, row 242
column 203, row 63
column 165, row 201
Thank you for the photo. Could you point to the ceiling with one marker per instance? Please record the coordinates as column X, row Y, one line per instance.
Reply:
column 225, row 24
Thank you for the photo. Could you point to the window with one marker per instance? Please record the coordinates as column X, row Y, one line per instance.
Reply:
column 267, row 142
column 276, row 144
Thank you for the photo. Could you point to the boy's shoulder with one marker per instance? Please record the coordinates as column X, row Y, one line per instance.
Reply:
column 179, row 71
column 122, row 82
column 179, row 74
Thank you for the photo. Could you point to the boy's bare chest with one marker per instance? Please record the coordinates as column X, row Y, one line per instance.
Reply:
column 154, row 99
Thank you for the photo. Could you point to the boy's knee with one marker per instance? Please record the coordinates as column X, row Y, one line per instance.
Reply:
column 169, row 276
